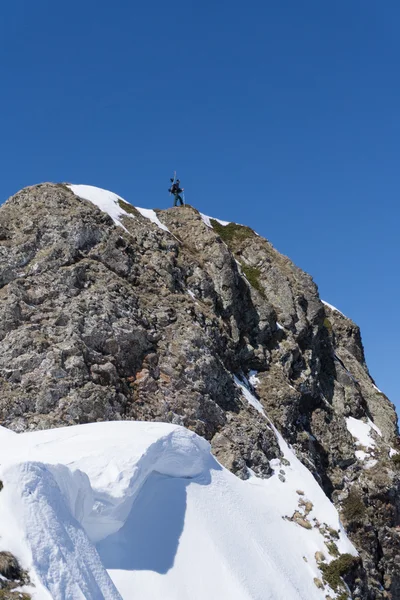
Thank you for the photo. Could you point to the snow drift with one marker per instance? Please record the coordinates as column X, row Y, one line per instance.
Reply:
column 143, row 510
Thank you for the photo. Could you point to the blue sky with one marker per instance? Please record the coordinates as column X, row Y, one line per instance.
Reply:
column 284, row 116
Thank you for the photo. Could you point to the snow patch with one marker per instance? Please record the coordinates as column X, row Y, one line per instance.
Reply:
column 207, row 221
column 299, row 477
column 251, row 399
column 108, row 202
column 377, row 389
column 152, row 216
column 361, row 455
column 371, row 463
column 374, row 427
column 283, row 493
column 333, row 308
column 105, row 200
column 253, row 379
column 361, row 432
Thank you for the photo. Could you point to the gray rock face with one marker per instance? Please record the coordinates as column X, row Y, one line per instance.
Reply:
column 100, row 323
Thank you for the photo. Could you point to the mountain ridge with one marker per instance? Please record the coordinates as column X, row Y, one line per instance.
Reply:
column 151, row 316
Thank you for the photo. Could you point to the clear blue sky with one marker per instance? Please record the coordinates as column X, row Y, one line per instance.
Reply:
column 281, row 115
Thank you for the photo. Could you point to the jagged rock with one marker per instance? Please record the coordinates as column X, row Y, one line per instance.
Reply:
column 9, row 566
column 306, row 505
column 99, row 322
column 318, row 583
column 300, row 520
column 12, row 577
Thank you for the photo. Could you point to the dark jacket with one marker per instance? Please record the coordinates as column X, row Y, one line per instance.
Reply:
column 175, row 189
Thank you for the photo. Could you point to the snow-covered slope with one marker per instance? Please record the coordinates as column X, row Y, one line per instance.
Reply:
column 110, row 203
column 143, row 510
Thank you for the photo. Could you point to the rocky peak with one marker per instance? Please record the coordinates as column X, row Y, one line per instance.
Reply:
column 172, row 316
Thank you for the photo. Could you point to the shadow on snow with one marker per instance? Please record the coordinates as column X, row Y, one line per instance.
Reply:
column 149, row 539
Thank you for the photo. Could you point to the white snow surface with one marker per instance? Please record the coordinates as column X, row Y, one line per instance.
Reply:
column 108, row 202
column 361, row 455
column 332, row 307
column 377, row 389
column 361, row 431
column 251, row 398
column 364, row 456
column 152, row 216
column 374, row 427
column 143, row 510
column 207, row 221
column 253, row 379
column 362, row 434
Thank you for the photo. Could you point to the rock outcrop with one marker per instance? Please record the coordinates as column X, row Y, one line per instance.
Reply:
column 102, row 322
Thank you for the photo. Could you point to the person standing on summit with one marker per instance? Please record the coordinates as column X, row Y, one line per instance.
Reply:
column 176, row 190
